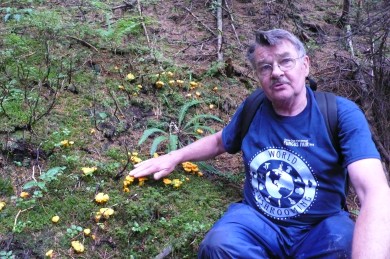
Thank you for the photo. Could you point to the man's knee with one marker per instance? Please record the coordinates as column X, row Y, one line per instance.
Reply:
column 216, row 244
column 339, row 231
column 222, row 243
column 332, row 238
column 340, row 239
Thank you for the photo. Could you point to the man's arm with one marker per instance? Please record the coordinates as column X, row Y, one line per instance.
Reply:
column 372, row 236
column 202, row 149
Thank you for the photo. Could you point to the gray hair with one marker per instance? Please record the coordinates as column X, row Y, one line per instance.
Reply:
column 272, row 38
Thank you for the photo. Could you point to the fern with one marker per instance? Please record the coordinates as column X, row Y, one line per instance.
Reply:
column 173, row 142
column 197, row 118
column 206, row 128
column 184, row 110
column 156, row 142
column 149, row 132
column 182, row 134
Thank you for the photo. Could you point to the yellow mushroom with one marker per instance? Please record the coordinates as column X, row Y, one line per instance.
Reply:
column 24, row 195
column 87, row 231
column 77, row 246
column 49, row 253
column 55, row 219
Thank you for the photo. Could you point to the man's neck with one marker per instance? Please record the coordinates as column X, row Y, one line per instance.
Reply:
column 291, row 107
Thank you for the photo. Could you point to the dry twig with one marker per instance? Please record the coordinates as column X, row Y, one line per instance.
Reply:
column 143, row 24
column 121, row 172
column 229, row 11
column 164, row 253
column 220, row 30
column 84, row 43
column 198, row 20
column 126, row 5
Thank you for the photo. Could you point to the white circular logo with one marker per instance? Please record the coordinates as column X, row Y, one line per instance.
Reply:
column 284, row 185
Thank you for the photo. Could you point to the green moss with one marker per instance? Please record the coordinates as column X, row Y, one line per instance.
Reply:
column 6, row 188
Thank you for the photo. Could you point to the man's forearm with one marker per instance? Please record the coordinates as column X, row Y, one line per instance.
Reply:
column 202, row 149
column 372, row 235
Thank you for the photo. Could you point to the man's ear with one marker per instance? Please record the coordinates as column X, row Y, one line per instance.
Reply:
column 306, row 65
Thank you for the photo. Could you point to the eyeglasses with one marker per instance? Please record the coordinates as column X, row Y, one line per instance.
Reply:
column 284, row 64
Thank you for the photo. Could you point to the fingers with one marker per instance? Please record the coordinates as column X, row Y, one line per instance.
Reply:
column 151, row 166
column 159, row 167
column 141, row 170
column 161, row 174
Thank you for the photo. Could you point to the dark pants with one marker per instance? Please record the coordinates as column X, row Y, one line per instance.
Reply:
column 243, row 232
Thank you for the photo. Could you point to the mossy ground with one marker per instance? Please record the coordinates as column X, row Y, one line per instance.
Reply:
column 64, row 75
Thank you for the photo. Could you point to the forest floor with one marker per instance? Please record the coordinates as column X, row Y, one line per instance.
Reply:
column 81, row 86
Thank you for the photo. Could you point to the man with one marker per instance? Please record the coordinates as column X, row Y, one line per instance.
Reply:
column 294, row 187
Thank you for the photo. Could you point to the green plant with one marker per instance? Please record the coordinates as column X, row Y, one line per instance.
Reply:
column 5, row 187
column 20, row 226
column 6, row 255
column 180, row 132
column 73, row 231
column 14, row 13
column 47, row 177
column 214, row 69
column 139, row 228
column 124, row 26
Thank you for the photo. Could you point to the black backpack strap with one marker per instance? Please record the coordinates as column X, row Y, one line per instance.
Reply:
column 312, row 83
column 252, row 103
column 328, row 106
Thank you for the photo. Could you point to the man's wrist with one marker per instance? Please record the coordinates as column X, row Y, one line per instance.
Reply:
column 176, row 156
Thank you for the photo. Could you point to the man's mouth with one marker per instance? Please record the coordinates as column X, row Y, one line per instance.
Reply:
column 278, row 84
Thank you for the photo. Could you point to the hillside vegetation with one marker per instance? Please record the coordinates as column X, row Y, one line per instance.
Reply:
column 90, row 88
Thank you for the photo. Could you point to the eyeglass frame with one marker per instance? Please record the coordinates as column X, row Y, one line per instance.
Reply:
column 281, row 67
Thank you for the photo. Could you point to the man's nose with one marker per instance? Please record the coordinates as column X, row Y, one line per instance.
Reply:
column 276, row 71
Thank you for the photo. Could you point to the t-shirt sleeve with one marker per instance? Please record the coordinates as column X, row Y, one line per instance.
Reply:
column 354, row 133
column 231, row 134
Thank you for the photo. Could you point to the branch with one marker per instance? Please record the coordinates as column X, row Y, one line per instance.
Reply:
column 143, row 24
column 17, row 216
column 120, row 173
column 349, row 40
column 220, row 30
column 229, row 11
column 2, row 104
column 344, row 16
column 164, row 253
column 84, row 43
column 117, row 108
column 127, row 5
column 198, row 20
column 382, row 150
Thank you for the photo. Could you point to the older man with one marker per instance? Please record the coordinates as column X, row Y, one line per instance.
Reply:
column 294, row 187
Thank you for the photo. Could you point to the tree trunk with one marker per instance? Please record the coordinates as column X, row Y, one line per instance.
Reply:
column 345, row 14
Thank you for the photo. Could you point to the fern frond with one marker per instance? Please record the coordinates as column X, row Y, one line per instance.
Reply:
column 207, row 128
column 173, row 142
column 156, row 142
column 196, row 119
column 149, row 132
column 184, row 110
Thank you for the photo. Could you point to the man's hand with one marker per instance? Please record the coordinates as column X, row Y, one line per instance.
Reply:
column 200, row 150
column 160, row 166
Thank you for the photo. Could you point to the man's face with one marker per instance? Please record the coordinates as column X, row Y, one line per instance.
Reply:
column 278, row 85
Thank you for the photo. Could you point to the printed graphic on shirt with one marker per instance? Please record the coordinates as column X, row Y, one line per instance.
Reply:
column 297, row 143
column 284, row 185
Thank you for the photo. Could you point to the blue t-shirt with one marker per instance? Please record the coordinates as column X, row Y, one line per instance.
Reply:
column 293, row 173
